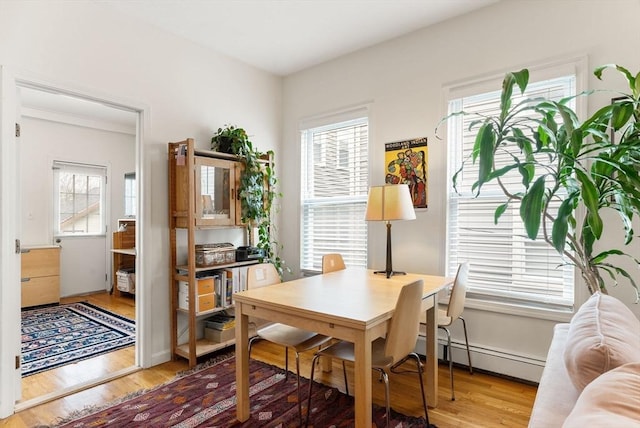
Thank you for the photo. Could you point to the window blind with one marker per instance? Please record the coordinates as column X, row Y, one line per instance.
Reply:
column 335, row 183
column 506, row 265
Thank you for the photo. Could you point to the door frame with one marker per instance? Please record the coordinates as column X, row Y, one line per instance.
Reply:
column 9, row 219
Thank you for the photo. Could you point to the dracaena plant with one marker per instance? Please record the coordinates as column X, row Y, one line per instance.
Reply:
column 570, row 172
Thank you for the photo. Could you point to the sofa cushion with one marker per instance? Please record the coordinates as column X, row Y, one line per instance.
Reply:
column 603, row 334
column 611, row 400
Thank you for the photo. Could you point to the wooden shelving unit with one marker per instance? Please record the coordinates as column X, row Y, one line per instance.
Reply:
column 189, row 210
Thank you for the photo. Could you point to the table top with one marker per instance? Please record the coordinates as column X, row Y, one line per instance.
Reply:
column 354, row 296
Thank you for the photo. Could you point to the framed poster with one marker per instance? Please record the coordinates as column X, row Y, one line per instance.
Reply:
column 406, row 163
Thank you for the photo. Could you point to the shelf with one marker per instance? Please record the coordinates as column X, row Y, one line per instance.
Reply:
column 203, row 347
column 185, row 268
column 209, row 312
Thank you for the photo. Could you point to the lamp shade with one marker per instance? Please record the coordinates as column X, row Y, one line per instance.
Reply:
column 390, row 202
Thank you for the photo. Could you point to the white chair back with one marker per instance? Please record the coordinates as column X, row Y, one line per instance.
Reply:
column 405, row 322
column 458, row 292
column 332, row 262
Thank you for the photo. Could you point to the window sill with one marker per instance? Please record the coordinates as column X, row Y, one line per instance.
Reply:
column 551, row 314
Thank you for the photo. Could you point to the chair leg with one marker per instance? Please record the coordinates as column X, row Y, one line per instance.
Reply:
column 344, row 373
column 446, row 330
column 466, row 339
column 253, row 339
column 424, row 400
column 298, row 386
column 385, row 377
column 313, row 366
column 286, row 363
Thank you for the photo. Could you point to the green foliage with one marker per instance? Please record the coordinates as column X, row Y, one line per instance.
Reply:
column 257, row 187
column 560, row 158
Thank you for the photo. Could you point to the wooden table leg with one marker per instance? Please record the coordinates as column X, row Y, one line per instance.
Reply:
column 431, row 366
column 242, row 364
column 362, row 372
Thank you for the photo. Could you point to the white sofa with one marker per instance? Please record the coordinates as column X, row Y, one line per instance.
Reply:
column 592, row 374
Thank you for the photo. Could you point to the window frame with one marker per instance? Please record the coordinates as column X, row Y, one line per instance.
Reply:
column 84, row 170
column 576, row 66
column 355, row 117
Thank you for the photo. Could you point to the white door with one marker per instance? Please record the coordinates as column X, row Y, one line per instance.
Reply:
column 79, row 225
column 10, row 376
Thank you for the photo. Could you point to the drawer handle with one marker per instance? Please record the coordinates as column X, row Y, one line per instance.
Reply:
column 25, row 279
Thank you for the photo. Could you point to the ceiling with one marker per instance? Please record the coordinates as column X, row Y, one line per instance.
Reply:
column 277, row 36
column 286, row 36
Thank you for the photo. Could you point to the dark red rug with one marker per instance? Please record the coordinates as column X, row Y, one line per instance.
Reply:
column 206, row 398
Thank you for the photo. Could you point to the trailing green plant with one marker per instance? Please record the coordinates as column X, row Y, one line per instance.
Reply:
column 257, row 189
column 572, row 164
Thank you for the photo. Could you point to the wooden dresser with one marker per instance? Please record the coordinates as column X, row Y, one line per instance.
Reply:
column 40, row 275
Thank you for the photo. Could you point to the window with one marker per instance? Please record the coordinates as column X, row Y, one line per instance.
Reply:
column 506, row 265
column 130, row 194
column 335, row 183
column 79, row 199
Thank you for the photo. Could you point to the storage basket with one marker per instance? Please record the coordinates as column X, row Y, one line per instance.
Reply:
column 215, row 254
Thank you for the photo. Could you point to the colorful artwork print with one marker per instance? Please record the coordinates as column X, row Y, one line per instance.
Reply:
column 406, row 163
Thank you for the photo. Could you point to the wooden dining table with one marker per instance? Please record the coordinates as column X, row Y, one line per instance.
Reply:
column 353, row 304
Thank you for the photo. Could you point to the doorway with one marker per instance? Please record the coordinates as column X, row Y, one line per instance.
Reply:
column 93, row 123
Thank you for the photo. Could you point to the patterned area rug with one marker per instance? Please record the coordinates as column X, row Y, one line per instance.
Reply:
column 206, row 398
column 57, row 335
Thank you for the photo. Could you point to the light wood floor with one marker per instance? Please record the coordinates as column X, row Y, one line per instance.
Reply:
column 481, row 400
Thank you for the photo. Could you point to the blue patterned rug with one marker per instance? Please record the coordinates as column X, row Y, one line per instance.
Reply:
column 58, row 335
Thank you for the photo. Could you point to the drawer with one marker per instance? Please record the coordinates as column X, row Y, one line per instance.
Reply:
column 40, row 262
column 40, row 290
column 206, row 302
column 205, row 286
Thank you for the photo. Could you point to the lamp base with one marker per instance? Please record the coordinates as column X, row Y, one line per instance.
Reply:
column 389, row 273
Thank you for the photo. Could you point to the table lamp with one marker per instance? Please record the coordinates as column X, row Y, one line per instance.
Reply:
column 388, row 203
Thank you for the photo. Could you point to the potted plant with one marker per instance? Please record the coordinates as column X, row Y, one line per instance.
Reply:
column 257, row 188
column 563, row 160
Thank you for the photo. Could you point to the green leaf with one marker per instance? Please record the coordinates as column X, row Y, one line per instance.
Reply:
column 531, row 208
column 603, row 255
column 590, row 198
column 522, row 79
column 621, row 114
column 499, row 211
column 485, row 141
column 561, row 225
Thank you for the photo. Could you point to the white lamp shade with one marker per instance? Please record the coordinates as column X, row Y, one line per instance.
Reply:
column 390, row 202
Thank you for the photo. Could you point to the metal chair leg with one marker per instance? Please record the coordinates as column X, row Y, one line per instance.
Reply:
column 424, row 400
column 446, row 330
column 313, row 366
column 385, row 377
column 344, row 373
column 466, row 339
column 298, row 386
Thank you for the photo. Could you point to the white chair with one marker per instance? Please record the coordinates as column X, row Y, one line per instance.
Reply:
column 453, row 313
column 386, row 353
column 332, row 262
column 262, row 275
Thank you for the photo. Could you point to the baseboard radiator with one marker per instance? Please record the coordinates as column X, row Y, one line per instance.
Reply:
column 498, row 361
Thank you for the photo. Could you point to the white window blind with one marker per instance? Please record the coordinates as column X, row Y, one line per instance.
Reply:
column 335, row 182
column 79, row 199
column 506, row 265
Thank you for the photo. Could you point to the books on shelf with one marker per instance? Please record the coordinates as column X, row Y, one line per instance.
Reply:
column 221, row 321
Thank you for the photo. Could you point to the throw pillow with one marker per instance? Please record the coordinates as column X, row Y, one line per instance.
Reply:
column 611, row 400
column 603, row 335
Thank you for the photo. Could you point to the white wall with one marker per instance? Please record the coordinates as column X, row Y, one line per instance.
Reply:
column 44, row 141
column 189, row 92
column 403, row 79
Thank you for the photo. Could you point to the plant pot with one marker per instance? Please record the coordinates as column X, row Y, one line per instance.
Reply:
column 222, row 144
